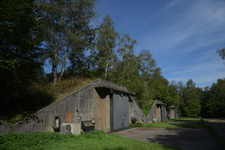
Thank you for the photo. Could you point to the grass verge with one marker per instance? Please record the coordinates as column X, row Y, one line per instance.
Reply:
column 96, row 139
column 217, row 136
column 183, row 119
column 169, row 125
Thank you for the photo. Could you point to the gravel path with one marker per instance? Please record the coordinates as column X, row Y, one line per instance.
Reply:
column 219, row 126
column 196, row 138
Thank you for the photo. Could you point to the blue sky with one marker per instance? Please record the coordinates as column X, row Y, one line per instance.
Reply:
column 182, row 35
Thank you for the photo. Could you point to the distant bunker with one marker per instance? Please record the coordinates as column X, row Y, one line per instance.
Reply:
column 100, row 105
column 173, row 112
column 158, row 112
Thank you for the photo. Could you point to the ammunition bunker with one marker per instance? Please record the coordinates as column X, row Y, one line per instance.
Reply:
column 158, row 112
column 173, row 112
column 105, row 104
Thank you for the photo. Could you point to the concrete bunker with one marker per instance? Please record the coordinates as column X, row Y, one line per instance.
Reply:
column 158, row 112
column 107, row 105
column 173, row 112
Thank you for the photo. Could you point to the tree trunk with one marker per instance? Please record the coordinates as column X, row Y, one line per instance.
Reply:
column 64, row 63
column 145, row 88
column 56, row 54
column 89, row 63
column 106, row 68
column 54, row 59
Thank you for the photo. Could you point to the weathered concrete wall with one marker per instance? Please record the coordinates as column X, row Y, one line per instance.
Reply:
column 42, row 121
column 158, row 114
column 135, row 111
column 157, row 111
column 85, row 102
column 173, row 112
column 102, row 112
column 5, row 127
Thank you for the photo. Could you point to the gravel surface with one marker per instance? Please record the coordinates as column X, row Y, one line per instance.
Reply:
column 195, row 138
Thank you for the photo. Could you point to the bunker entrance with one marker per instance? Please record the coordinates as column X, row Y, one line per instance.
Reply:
column 119, row 112
column 161, row 112
column 116, row 112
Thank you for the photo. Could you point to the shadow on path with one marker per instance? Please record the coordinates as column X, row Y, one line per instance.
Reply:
column 195, row 138
column 219, row 127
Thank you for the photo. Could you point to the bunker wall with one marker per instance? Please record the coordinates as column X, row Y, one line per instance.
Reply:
column 135, row 111
column 85, row 102
column 158, row 111
column 5, row 127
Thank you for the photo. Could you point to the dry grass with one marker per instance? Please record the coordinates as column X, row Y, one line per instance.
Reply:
column 73, row 85
column 42, row 95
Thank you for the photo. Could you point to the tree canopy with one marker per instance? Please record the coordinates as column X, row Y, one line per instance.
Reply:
column 75, row 45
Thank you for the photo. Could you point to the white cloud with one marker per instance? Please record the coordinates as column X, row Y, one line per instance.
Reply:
column 196, row 23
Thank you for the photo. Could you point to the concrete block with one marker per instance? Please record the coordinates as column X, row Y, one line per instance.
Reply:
column 76, row 128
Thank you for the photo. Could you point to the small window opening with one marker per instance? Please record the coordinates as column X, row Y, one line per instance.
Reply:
column 56, row 122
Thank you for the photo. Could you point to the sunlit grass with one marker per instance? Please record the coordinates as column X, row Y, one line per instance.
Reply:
column 96, row 139
column 183, row 119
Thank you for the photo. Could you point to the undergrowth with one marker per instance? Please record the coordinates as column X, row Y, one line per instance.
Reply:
column 38, row 96
column 147, row 108
column 96, row 139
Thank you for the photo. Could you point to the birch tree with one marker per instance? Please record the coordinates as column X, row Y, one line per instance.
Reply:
column 105, row 43
column 129, row 62
column 66, row 27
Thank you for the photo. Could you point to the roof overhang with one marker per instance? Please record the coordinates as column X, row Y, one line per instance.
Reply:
column 160, row 103
column 108, row 87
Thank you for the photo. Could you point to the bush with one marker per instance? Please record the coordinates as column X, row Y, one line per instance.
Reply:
column 147, row 108
column 192, row 108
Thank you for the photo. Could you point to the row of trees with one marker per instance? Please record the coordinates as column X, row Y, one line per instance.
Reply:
column 97, row 51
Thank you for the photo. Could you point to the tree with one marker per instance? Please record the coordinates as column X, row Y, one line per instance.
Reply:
column 190, row 91
column 146, row 64
column 106, row 42
column 217, row 92
column 20, row 55
column 66, row 29
column 192, row 108
column 221, row 53
column 190, row 84
column 128, row 65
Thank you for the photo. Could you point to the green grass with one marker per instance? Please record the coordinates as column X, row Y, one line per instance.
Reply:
column 147, row 108
column 96, row 139
column 183, row 119
column 169, row 125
